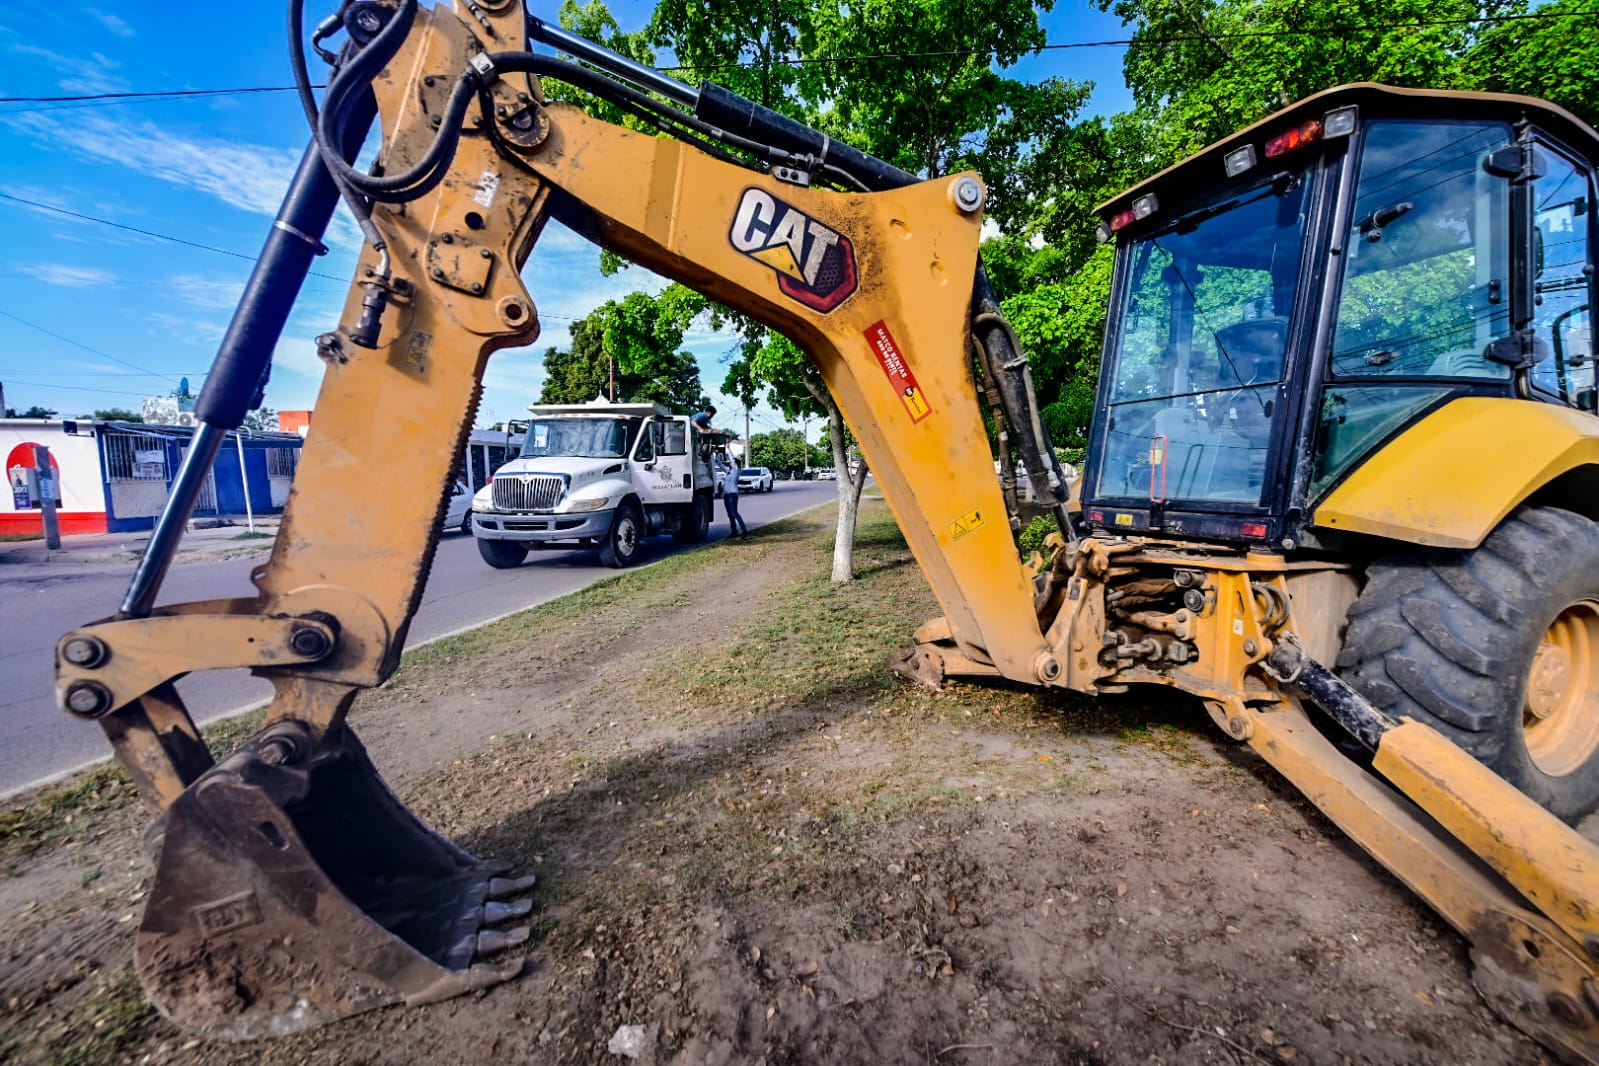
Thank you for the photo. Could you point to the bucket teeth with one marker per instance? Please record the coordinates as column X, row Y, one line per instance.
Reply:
column 500, row 887
column 495, row 912
column 492, row 940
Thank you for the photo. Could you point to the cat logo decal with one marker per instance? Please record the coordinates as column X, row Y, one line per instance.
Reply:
column 815, row 264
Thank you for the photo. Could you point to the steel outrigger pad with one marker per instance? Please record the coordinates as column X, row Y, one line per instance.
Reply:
column 293, row 888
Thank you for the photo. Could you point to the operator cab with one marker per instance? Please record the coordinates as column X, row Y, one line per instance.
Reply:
column 1292, row 298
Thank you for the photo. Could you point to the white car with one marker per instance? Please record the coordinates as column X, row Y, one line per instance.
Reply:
column 755, row 479
column 458, row 512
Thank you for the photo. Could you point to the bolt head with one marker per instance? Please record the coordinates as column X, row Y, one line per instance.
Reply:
column 88, row 698
column 1250, row 647
column 477, row 287
column 309, row 642
column 967, row 194
column 86, row 652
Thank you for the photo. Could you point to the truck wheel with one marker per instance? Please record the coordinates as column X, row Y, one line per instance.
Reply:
column 620, row 547
column 697, row 523
column 1497, row 649
column 502, row 554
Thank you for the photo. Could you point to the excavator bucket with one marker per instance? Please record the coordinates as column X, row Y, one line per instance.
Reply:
column 293, row 889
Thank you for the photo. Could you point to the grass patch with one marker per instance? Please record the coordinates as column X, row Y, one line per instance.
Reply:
column 247, row 535
column 14, row 538
column 112, row 1017
column 63, row 812
column 60, row 813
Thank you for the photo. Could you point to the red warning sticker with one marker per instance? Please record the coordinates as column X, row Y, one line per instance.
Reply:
column 899, row 373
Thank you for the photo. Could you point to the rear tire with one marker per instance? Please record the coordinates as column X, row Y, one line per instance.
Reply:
column 1497, row 648
column 466, row 524
column 620, row 547
column 502, row 554
column 698, row 519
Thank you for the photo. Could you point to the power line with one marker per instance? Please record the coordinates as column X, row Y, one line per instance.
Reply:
column 150, row 233
column 85, row 347
column 194, row 244
column 73, row 388
column 1331, row 32
column 157, row 94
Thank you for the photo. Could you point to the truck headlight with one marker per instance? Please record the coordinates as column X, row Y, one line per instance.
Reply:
column 588, row 505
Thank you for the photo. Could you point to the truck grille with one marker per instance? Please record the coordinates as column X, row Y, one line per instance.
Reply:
column 535, row 492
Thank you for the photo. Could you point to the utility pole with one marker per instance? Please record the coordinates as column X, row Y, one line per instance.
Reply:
column 747, row 458
column 2, row 399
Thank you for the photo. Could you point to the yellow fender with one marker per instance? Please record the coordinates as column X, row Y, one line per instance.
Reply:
column 1448, row 480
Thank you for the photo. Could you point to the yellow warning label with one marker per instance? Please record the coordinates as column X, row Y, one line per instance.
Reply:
column 1124, row 519
column 966, row 523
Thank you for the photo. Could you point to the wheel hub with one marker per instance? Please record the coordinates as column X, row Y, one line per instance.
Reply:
column 1560, row 720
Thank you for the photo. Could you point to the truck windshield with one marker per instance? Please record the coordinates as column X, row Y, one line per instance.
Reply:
column 580, row 438
column 1201, row 334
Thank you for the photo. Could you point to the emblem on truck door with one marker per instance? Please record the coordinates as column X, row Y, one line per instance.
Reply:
column 815, row 264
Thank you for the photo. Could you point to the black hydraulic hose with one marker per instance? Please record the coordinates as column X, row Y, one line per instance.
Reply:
column 430, row 169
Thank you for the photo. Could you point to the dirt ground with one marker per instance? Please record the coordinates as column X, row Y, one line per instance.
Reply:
column 757, row 845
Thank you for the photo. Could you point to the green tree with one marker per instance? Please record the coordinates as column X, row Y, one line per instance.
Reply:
column 33, row 412
column 1555, row 56
column 262, row 419
column 1202, row 69
column 118, row 414
column 638, row 339
column 781, row 449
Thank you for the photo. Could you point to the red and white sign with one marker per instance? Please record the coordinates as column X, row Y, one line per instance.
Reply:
column 892, row 360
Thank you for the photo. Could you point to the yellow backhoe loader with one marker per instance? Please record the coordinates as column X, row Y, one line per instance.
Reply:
column 1341, row 484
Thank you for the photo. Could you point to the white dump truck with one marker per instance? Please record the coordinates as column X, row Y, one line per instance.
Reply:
column 597, row 474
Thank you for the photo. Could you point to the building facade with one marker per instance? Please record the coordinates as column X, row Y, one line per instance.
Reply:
column 114, row 477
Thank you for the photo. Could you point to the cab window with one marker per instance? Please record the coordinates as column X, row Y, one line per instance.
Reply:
column 1426, row 269
column 1563, row 282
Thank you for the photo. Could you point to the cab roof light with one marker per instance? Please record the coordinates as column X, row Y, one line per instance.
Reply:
column 1339, row 123
column 1289, row 140
column 1240, row 160
column 1142, row 208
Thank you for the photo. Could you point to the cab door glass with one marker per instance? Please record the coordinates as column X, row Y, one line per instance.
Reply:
column 1425, row 286
column 674, row 437
column 1563, row 282
column 644, row 452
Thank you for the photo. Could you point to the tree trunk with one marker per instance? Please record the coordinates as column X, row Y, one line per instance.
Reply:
column 849, row 486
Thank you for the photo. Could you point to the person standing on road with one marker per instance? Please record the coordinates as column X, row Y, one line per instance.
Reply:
column 735, row 524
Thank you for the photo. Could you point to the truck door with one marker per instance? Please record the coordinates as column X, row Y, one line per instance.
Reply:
column 662, row 472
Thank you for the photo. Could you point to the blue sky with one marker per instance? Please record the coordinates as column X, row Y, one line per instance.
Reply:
column 95, row 317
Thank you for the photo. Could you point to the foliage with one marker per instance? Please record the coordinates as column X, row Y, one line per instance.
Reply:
column 1032, row 538
column 1556, row 57
column 262, row 419
column 118, row 414
column 33, row 412
column 781, row 449
column 639, row 338
column 1060, row 325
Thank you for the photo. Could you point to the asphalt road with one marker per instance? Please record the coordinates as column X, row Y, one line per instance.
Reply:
column 40, row 602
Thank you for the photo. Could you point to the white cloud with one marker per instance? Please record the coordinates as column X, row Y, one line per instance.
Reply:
column 187, row 329
column 82, row 74
column 247, row 176
column 72, row 277
column 210, row 293
column 112, row 23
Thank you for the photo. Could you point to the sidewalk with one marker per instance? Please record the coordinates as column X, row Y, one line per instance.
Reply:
column 208, row 538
